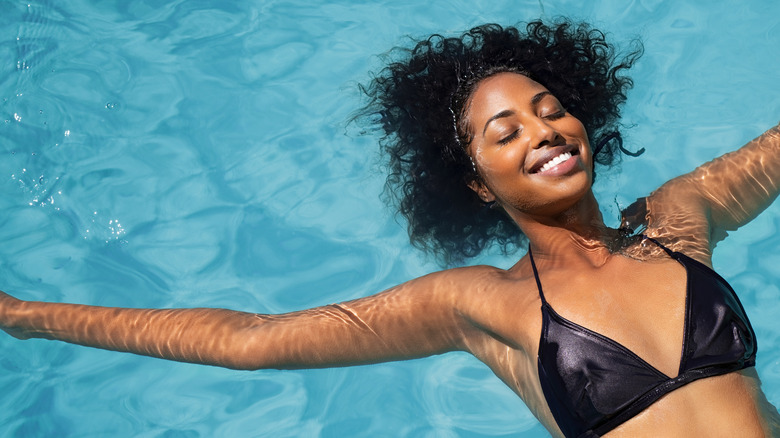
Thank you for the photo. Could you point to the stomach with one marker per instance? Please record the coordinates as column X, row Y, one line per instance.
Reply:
column 728, row 405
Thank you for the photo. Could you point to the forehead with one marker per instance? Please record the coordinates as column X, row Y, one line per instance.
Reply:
column 502, row 91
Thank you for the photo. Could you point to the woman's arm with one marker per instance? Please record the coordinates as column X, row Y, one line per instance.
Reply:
column 729, row 191
column 740, row 185
column 413, row 320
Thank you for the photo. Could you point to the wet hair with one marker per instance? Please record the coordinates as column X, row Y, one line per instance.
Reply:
column 418, row 101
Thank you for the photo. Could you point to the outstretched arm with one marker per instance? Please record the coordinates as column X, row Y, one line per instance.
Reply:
column 413, row 320
column 728, row 191
column 740, row 185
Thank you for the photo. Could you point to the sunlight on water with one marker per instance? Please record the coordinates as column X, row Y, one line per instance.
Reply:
column 192, row 154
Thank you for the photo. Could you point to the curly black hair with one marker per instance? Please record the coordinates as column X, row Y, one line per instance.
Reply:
column 417, row 102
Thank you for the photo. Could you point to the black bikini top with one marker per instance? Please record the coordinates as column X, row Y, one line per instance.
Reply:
column 593, row 384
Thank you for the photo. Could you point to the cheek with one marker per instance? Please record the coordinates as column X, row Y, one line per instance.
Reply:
column 503, row 161
column 501, row 172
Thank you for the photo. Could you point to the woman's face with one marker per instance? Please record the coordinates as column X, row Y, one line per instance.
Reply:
column 532, row 155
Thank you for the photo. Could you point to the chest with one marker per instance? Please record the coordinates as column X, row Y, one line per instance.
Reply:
column 640, row 305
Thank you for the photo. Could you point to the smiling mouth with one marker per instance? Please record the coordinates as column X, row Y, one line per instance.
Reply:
column 554, row 161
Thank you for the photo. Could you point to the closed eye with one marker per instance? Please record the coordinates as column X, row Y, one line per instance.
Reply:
column 509, row 137
column 556, row 115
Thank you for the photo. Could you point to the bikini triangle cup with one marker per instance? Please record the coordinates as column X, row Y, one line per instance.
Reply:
column 592, row 383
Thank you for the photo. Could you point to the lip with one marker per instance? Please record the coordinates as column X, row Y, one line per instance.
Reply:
column 551, row 153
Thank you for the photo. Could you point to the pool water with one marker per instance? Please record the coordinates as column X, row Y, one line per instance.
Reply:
column 196, row 153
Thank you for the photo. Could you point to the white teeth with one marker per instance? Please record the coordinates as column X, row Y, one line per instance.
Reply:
column 555, row 161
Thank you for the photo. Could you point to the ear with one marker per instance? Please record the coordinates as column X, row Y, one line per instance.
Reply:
column 482, row 191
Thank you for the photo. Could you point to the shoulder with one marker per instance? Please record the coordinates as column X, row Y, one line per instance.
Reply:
column 469, row 276
column 480, row 293
column 454, row 287
column 472, row 282
column 503, row 304
column 675, row 215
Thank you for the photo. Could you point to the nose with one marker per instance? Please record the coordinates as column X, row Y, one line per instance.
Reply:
column 544, row 134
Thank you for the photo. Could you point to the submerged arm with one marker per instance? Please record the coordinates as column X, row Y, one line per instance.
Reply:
column 740, row 185
column 730, row 190
column 412, row 320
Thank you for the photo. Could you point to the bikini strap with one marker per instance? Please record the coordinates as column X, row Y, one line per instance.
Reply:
column 668, row 251
column 536, row 276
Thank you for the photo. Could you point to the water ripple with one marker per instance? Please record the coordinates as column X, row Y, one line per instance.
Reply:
column 194, row 154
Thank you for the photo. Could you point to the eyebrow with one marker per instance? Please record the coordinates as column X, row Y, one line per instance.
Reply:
column 506, row 113
column 539, row 96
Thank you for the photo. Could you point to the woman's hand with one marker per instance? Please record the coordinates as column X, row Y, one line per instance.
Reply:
column 7, row 305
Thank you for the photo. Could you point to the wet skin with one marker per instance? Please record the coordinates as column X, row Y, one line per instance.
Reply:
column 493, row 313
column 510, row 145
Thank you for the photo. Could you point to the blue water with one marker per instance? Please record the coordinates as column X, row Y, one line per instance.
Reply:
column 184, row 154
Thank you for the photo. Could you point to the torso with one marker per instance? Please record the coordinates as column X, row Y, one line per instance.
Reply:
column 646, row 289
column 650, row 324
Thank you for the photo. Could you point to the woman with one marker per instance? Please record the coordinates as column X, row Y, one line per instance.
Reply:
column 490, row 140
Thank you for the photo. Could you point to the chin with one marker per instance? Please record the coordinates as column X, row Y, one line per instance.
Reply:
column 569, row 202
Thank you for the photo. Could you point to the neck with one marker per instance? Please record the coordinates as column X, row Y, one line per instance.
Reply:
column 577, row 233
